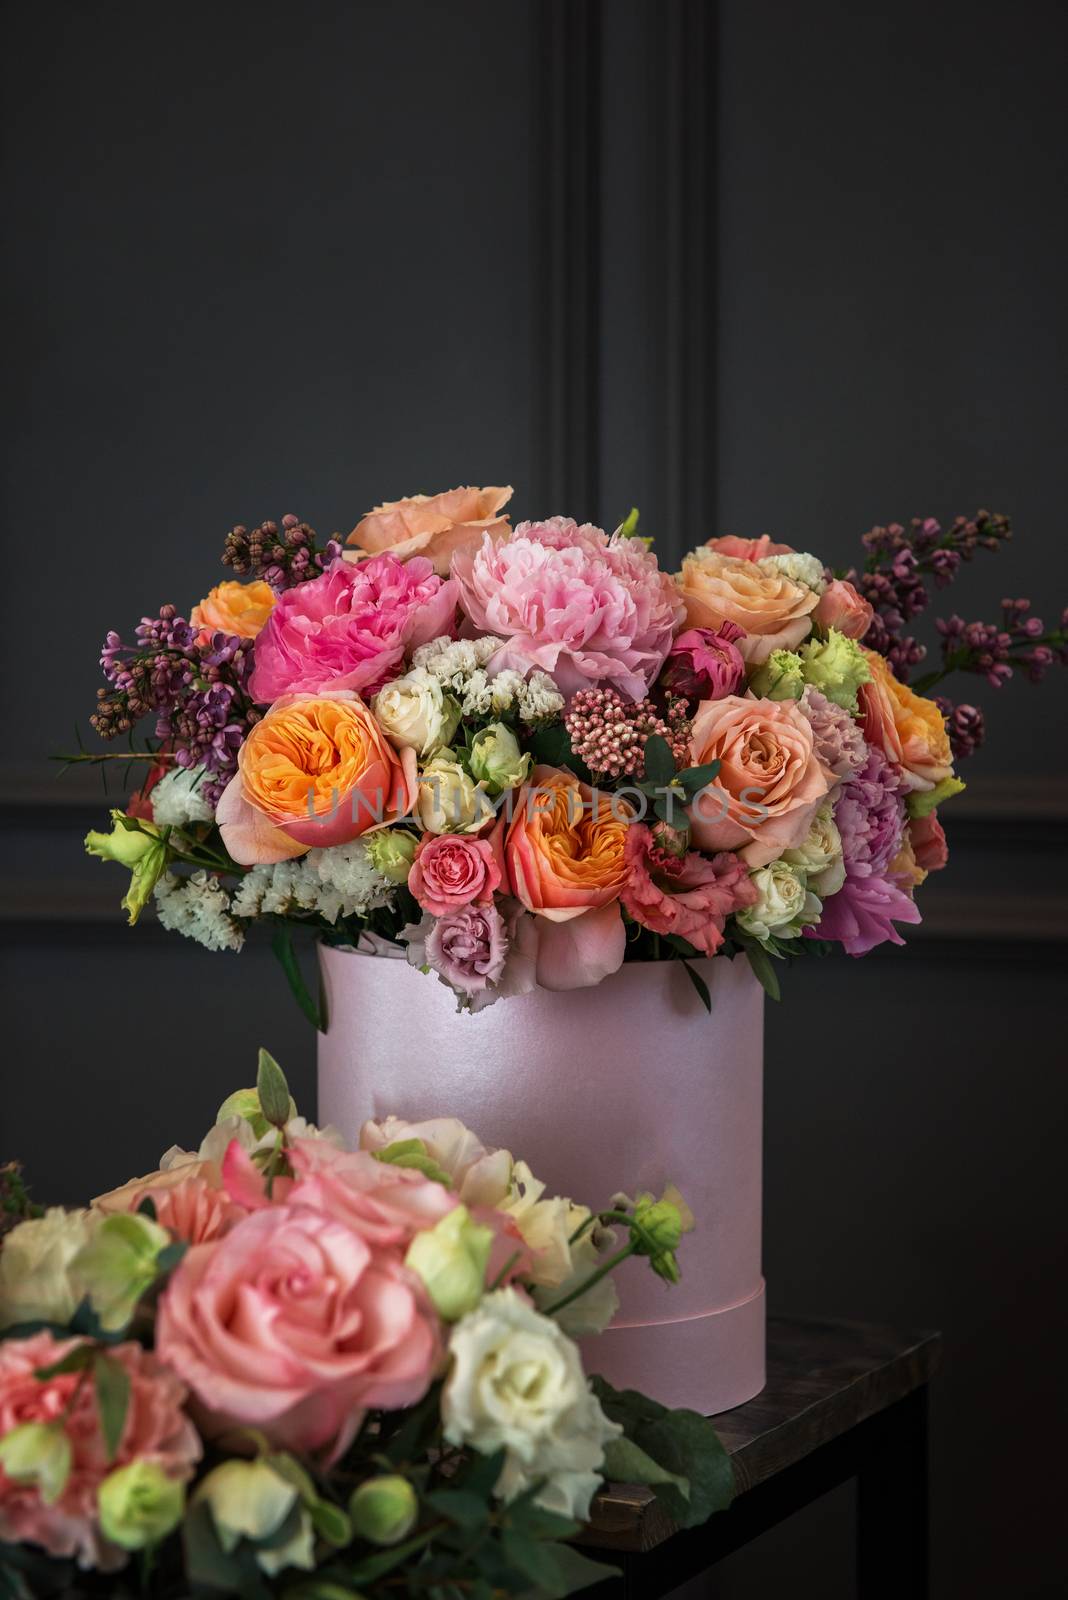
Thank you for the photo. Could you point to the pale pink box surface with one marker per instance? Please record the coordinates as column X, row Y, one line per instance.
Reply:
column 629, row 1085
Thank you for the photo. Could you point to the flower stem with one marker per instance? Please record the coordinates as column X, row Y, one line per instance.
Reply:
column 594, row 1278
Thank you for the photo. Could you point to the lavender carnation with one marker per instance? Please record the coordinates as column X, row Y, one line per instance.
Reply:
column 839, row 743
column 870, row 818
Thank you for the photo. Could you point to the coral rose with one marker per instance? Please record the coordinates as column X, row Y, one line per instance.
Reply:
column 295, row 1325
column 235, row 608
column 156, row 1429
column 451, row 870
column 909, row 730
column 690, row 895
column 774, row 610
column 729, row 544
column 770, row 782
column 564, row 851
column 350, row 628
column 189, row 1200
column 433, row 525
column 843, row 608
column 316, row 771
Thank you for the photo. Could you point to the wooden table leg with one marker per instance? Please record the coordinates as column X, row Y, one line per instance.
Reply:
column 892, row 1504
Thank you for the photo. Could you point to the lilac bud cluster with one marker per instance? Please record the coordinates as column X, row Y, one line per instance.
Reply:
column 609, row 733
column 282, row 556
column 965, row 725
column 994, row 649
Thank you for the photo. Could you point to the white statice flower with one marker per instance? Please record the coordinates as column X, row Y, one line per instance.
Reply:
column 416, row 713
column 785, row 906
column 35, row 1279
column 539, row 698
column 453, row 660
column 820, row 854
column 178, row 798
column 507, row 688
column 478, row 694
column 516, row 1383
column 341, row 881
column 199, row 907
column 799, row 566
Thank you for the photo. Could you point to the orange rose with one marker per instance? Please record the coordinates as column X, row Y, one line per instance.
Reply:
column 910, row 731
column 774, row 611
column 770, row 782
column 564, row 852
column 240, row 608
column 433, row 525
column 316, row 771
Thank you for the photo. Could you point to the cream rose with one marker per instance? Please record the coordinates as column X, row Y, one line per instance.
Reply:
column 449, row 800
column 415, row 713
column 785, row 903
column 516, row 1383
column 819, row 855
column 775, row 612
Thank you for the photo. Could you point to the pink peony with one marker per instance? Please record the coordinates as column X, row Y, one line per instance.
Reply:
column 156, row 1429
column 748, row 549
column 690, row 895
column 451, row 870
column 585, row 608
column 384, row 1204
column 296, row 1325
column 350, row 628
column 705, row 665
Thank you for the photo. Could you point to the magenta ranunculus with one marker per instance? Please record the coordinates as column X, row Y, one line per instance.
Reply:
column 350, row 628
column 690, row 895
column 705, row 665
column 569, row 600
column 451, row 870
column 296, row 1325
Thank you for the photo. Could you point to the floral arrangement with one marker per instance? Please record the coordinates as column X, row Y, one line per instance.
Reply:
column 276, row 1357
column 524, row 755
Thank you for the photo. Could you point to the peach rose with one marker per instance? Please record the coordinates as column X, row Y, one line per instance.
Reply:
column 843, row 608
column 433, row 525
column 729, row 544
column 774, row 611
column 909, row 730
column 316, row 771
column 190, row 1201
column 240, row 608
column 770, row 783
column 565, row 857
column 928, row 843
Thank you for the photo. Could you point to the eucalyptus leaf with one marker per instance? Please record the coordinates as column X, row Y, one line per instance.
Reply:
column 572, row 1571
column 627, row 1462
column 111, row 1383
column 273, row 1090
column 694, row 779
column 683, row 1443
column 659, row 761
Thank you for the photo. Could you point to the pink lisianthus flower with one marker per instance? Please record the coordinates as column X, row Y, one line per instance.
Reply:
column 729, row 544
column 296, row 1325
column 156, row 1429
column 483, row 953
column 580, row 606
column 350, row 628
column 385, row 1204
column 451, row 870
column 690, row 895
column 705, row 665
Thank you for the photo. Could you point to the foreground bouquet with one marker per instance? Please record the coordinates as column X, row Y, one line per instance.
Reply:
column 522, row 756
column 277, row 1357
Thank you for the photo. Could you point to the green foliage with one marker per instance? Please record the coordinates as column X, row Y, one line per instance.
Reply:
column 681, row 1443
column 273, row 1090
column 282, row 945
column 111, row 1385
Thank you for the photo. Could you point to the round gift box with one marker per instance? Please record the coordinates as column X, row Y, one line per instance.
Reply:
column 629, row 1085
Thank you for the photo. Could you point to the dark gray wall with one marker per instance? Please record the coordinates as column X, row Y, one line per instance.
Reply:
column 759, row 266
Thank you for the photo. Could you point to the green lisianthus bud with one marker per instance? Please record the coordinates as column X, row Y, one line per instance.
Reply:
column 40, row 1453
column 391, row 851
column 118, row 1264
column 140, row 848
column 663, row 1223
column 139, row 1505
column 451, row 1259
column 780, row 677
column 836, row 667
column 384, row 1510
column 497, row 760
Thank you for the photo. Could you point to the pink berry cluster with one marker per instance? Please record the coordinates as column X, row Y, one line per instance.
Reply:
column 609, row 733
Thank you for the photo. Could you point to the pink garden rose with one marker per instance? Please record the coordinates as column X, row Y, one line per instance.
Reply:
column 843, row 608
column 730, row 544
column 569, row 600
column 384, row 1204
column 690, row 895
column 296, row 1325
column 451, row 870
column 350, row 628
column 433, row 525
column 192, row 1204
column 705, row 665
column 156, row 1429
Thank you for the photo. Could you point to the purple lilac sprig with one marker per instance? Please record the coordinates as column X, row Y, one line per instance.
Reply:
column 196, row 684
column 282, row 556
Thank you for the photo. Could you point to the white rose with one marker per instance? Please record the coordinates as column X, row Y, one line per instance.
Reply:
column 516, row 1383
column 415, row 713
column 35, row 1283
column 820, row 855
column 449, row 800
column 785, row 905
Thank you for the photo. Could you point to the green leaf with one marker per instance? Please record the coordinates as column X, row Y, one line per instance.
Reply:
column 383, row 1561
column 571, row 1571
column 700, row 985
column 171, row 1255
column 683, row 946
column 550, row 745
column 282, row 945
column 207, row 1564
column 413, row 1424
column 75, row 1360
column 627, row 1462
column 147, row 1208
column 534, row 1558
column 694, row 779
column 331, row 1523
column 480, row 1477
column 628, row 528
column 461, row 1506
column 320, row 1589
column 659, row 761
column 413, row 1153
column 112, row 1386
column 273, row 1090
column 763, row 970
column 680, row 1441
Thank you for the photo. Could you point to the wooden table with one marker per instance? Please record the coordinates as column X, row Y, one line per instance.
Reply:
column 843, row 1400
